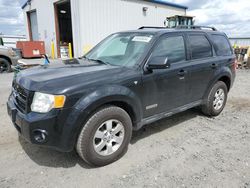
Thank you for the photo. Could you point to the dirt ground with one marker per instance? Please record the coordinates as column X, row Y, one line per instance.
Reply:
column 186, row 150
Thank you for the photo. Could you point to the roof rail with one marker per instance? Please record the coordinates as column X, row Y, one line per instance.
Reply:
column 195, row 27
column 151, row 27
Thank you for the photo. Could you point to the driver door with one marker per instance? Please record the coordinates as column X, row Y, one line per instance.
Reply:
column 165, row 89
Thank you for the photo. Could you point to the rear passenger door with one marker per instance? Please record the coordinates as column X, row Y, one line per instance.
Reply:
column 202, row 65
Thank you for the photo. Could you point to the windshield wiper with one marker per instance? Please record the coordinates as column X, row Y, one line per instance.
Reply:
column 98, row 61
column 83, row 57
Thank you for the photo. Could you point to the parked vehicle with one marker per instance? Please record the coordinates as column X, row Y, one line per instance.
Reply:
column 8, row 58
column 128, row 80
column 179, row 20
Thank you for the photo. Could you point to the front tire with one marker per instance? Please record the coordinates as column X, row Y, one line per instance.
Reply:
column 216, row 99
column 105, row 136
column 5, row 65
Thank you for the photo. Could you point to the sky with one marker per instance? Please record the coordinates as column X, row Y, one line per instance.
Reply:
column 230, row 16
column 11, row 17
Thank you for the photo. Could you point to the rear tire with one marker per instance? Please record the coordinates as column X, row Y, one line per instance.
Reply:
column 105, row 136
column 215, row 100
column 5, row 66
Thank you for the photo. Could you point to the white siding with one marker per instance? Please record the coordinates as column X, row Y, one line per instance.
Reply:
column 93, row 20
column 45, row 20
column 109, row 16
column 10, row 40
column 76, row 29
column 240, row 41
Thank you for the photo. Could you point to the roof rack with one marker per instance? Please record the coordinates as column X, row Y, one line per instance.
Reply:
column 181, row 27
column 151, row 27
column 195, row 27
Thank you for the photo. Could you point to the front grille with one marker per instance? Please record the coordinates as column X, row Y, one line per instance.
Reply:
column 22, row 98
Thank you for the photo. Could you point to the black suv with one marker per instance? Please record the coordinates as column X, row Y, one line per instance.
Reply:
column 128, row 80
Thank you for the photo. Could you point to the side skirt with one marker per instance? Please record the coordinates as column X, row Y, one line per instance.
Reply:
column 162, row 115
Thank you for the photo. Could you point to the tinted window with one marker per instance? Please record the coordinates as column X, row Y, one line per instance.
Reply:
column 172, row 47
column 221, row 45
column 200, row 47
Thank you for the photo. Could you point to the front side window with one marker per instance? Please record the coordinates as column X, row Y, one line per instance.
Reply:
column 122, row 49
column 221, row 45
column 200, row 47
column 172, row 48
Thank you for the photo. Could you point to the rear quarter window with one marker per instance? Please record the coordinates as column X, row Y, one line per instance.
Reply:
column 221, row 45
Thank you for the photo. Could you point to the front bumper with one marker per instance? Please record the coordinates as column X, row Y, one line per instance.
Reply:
column 14, row 60
column 52, row 123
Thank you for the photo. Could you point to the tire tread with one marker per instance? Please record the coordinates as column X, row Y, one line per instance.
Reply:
column 82, row 141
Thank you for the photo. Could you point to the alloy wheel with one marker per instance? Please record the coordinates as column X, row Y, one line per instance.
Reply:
column 108, row 137
column 219, row 99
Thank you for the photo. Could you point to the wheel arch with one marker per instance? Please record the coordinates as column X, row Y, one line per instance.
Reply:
column 222, row 76
column 6, row 58
column 125, row 106
column 119, row 101
column 114, row 95
column 226, row 80
column 120, row 96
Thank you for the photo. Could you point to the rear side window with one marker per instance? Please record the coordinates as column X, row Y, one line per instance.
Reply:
column 200, row 47
column 171, row 47
column 221, row 45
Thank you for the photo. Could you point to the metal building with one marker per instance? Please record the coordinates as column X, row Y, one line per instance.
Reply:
column 240, row 41
column 83, row 23
column 11, row 40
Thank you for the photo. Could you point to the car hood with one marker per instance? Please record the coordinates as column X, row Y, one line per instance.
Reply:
column 59, row 78
column 4, row 48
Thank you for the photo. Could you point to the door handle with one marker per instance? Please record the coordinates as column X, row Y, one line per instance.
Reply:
column 214, row 66
column 182, row 72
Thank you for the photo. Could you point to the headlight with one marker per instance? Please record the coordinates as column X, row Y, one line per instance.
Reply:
column 43, row 103
column 12, row 52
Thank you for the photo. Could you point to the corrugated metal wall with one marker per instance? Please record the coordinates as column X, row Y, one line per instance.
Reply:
column 10, row 40
column 45, row 21
column 240, row 41
column 99, row 18
column 93, row 20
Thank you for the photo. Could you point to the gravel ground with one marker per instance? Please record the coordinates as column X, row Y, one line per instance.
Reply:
column 186, row 150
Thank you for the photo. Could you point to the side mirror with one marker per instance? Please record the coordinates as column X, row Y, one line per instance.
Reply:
column 158, row 63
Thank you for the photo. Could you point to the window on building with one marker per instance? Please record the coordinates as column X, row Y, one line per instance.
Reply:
column 200, row 46
column 221, row 45
column 172, row 48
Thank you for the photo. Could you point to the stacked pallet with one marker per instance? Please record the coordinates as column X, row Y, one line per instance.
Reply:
column 242, row 56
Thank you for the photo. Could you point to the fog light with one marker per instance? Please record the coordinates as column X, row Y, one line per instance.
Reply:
column 40, row 135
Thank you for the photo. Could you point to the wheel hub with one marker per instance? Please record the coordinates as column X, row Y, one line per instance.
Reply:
column 108, row 136
column 219, row 98
column 3, row 67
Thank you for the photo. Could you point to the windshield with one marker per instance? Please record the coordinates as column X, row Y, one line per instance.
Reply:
column 122, row 49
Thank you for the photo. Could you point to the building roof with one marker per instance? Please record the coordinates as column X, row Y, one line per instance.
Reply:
column 165, row 2
column 162, row 2
column 26, row 3
column 239, row 38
